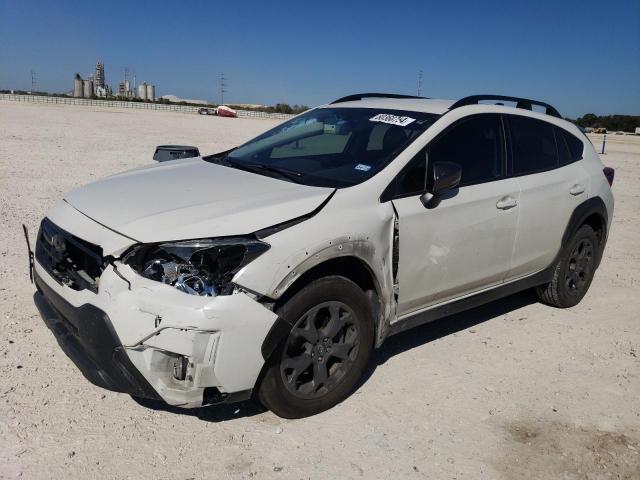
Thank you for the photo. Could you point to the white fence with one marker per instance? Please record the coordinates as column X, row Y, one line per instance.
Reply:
column 139, row 105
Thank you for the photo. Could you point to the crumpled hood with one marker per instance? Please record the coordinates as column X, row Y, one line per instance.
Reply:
column 187, row 199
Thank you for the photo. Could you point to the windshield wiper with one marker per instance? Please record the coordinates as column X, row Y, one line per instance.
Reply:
column 259, row 167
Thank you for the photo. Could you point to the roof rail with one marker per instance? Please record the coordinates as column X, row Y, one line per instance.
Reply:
column 360, row 96
column 520, row 103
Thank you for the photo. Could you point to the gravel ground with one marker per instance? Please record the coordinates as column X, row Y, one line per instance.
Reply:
column 512, row 390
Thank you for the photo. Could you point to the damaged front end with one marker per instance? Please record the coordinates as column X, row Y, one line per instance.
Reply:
column 161, row 321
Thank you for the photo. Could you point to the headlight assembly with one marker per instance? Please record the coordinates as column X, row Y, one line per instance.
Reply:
column 198, row 267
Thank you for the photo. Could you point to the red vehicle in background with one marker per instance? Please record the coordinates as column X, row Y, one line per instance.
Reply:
column 223, row 111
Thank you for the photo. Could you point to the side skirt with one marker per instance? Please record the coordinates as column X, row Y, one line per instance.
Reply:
column 440, row 311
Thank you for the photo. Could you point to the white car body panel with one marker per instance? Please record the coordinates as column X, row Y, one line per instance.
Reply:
column 462, row 245
column 71, row 220
column 347, row 226
column 191, row 198
column 597, row 188
column 545, row 208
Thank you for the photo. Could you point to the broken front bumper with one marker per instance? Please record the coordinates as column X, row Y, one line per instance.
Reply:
column 150, row 340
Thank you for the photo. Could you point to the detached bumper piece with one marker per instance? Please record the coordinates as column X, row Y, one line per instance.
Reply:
column 87, row 337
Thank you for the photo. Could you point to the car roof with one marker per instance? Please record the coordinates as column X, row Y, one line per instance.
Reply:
column 437, row 106
column 391, row 101
column 426, row 105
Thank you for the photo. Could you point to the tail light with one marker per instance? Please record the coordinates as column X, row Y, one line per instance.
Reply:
column 610, row 174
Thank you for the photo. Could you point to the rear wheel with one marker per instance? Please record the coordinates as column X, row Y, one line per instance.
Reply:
column 320, row 362
column 573, row 272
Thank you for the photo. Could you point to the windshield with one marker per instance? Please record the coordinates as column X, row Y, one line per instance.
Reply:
column 331, row 147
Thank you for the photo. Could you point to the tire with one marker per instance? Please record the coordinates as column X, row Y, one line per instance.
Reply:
column 321, row 361
column 573, row 272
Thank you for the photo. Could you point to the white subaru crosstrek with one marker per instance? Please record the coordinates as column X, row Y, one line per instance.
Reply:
column 276, row 267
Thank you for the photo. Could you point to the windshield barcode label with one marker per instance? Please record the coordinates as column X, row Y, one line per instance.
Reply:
column 392, row 119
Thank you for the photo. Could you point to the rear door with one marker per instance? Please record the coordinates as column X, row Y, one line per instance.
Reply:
column 464, row 244
column 552, row 184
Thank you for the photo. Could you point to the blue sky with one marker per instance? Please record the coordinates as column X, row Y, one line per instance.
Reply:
column 581, row 56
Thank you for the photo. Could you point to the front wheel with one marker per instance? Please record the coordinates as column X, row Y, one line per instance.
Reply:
column 573, row 272
column 320, row 362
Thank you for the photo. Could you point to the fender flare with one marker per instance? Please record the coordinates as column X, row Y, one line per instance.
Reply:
column 281, row 328
column 594, row 205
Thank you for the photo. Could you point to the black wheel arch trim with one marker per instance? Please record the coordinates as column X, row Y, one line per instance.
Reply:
column 582, row 212
column 276, row 335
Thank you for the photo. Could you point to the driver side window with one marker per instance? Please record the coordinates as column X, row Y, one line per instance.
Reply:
column 475, row 143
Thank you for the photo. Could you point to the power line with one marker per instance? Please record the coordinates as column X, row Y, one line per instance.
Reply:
column 222, row 88
column 419, row 84
column 33, row 81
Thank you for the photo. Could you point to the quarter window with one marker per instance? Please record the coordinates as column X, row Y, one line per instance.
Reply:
column 564, row 155
column 533, row 145
column 576, row 147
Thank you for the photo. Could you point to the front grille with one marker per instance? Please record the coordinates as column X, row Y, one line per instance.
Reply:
column 67, row 258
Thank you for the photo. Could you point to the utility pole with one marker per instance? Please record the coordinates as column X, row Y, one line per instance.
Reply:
column 222, row 88
column 419, row 84
column 33, row 81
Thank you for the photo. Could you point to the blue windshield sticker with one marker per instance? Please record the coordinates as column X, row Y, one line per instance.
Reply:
column 362, row 167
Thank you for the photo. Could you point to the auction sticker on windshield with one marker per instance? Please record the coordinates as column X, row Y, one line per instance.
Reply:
column 392, row 119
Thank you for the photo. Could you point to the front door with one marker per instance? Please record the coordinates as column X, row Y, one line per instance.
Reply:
column 465, row 243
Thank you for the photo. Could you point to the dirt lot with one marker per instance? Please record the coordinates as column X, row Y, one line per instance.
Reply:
column 511, row 390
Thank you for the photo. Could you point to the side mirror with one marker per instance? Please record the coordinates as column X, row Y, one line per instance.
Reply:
column 445, row 176
column 164, row 153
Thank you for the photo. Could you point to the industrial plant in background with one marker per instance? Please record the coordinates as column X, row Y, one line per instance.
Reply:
column 94, row 86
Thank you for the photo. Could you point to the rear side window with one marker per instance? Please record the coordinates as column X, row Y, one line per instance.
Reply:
column 533, row 145
column 476, row 144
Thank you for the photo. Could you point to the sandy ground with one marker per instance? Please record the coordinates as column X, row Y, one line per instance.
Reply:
column 512, row 390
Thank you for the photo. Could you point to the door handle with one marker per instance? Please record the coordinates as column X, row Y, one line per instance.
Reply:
column 576, row 189
column 505, row 203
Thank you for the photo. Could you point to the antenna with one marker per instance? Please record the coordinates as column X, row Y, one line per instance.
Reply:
column 222, row 88
column 33, row 81
column 419, row 84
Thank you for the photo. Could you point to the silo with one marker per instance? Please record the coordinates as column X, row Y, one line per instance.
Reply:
column 77, row 86
column 142, row 91
column 87, row 88
column 151, row 92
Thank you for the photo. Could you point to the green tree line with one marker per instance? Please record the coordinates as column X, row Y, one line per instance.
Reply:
column 277, row 108
column 613, row 123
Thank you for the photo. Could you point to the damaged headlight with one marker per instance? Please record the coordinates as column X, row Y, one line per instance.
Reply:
column 197, row 267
